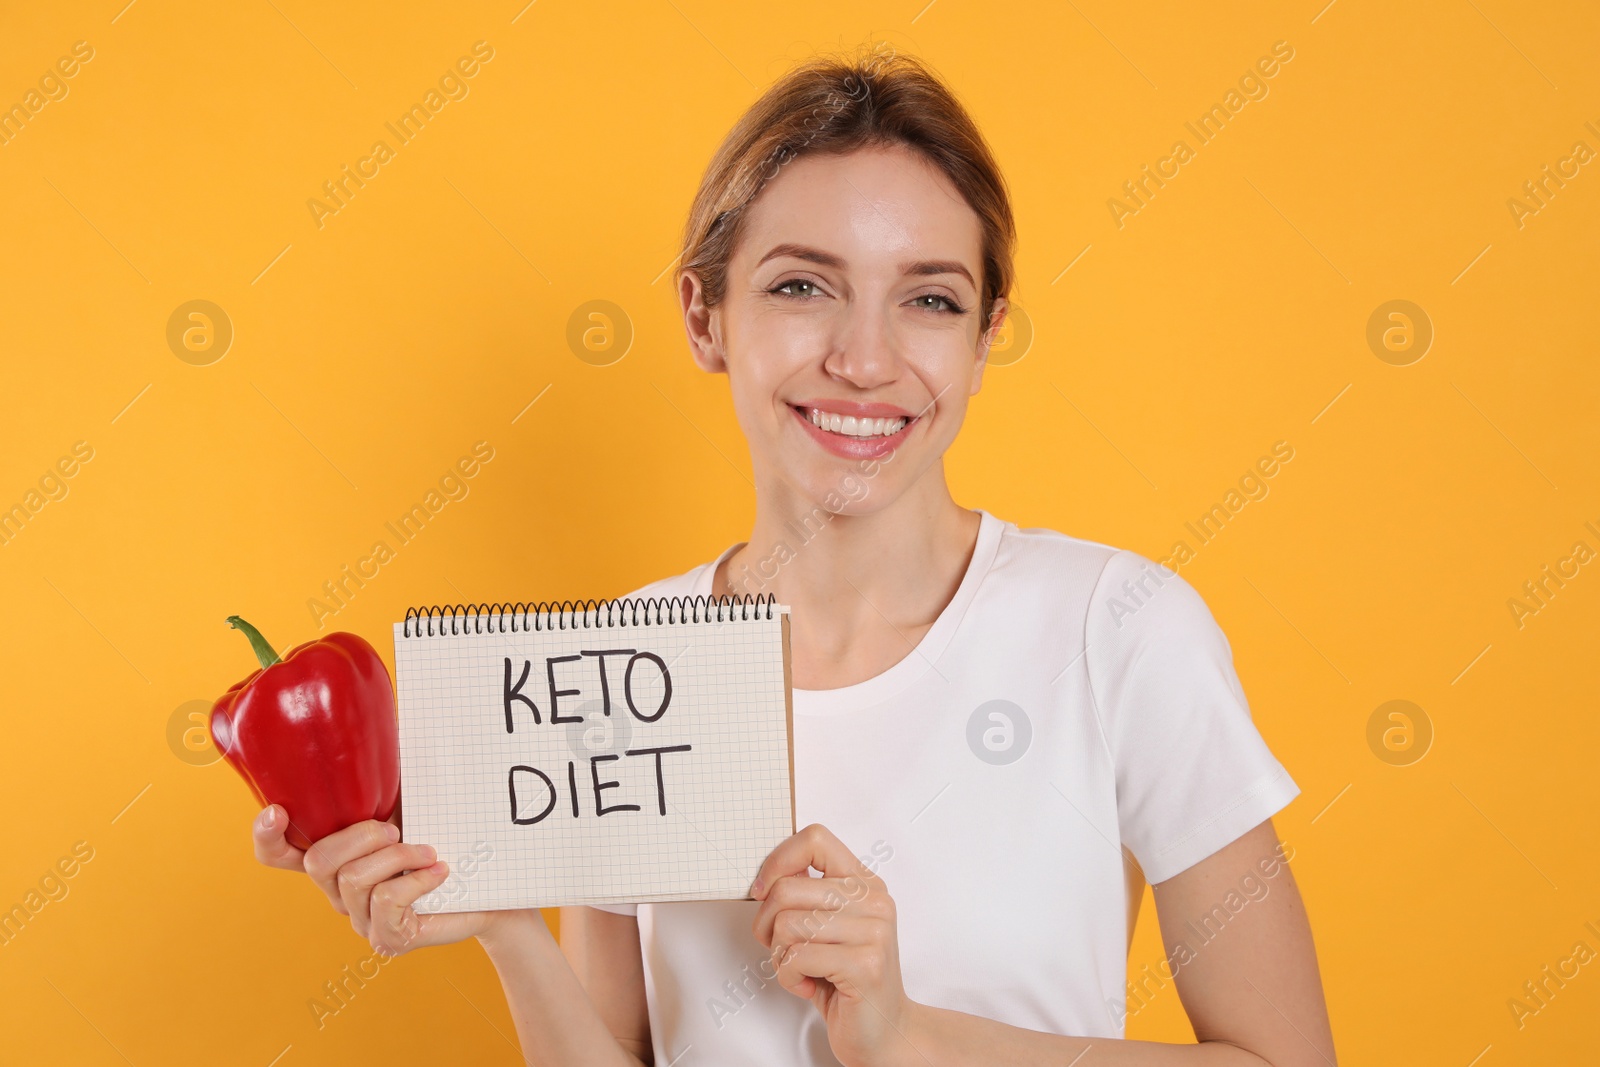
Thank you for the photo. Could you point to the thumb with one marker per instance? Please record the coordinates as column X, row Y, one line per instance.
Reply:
column 271, row 846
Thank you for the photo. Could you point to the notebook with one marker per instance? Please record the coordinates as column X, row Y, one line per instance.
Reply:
column 610, row 751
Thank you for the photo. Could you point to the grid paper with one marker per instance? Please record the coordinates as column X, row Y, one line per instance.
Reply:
column 728, row 800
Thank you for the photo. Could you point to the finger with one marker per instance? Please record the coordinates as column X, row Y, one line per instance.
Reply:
column 814, row 847
column 357, row 878
column 327, row 855
column 272, row 848
column 821, row 895
column 396, row 928
column 808, row 928
column 849, row 968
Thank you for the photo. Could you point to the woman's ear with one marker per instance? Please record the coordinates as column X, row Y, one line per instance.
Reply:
column 991, row 331
column 700, row 322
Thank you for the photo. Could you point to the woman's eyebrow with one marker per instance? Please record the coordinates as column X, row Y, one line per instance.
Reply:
column 937, row 266
column 805, row 252
column 828, row 259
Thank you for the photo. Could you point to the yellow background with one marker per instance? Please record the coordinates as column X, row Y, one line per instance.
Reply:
column 426, row 315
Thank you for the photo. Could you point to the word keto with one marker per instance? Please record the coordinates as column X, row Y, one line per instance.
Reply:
column 1581, row 553
column 52, row 86
column 53, row 885
column 452, row 486
column 338, row 997
column 1543, row 189
column 854, row 489
column 1254, row 489
column 341, row 190
column 1253, row 86
column 52, row 486
column 513, row 695
column 741, row 992
column 1521, row 1011
column 1252, row 890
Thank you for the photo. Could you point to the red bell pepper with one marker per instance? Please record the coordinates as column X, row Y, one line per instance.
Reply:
column 315, row 732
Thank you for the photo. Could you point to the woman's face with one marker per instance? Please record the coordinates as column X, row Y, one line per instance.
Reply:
column 850, row 328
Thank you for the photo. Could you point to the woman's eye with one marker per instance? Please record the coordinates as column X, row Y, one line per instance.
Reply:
column 797, row 284
column 938, row 303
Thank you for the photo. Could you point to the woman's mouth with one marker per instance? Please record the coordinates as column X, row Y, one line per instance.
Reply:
column 851, row 426
column 852, row 436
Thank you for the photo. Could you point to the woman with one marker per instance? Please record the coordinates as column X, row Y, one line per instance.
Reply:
column 999, row 732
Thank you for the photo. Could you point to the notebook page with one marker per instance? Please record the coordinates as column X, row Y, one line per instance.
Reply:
column 679, row 793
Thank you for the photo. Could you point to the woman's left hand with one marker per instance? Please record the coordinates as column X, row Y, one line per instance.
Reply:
column 834, row 943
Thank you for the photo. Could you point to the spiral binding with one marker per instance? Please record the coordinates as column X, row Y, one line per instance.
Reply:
column 585, row 614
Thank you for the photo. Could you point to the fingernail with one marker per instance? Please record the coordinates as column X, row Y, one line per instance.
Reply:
column 756, row 889
column 429, row 854
column 268, row 818
column 392, row 831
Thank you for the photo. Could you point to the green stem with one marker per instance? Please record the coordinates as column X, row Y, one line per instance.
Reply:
column 264, row 652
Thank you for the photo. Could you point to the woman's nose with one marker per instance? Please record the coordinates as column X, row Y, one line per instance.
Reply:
column 864, row 349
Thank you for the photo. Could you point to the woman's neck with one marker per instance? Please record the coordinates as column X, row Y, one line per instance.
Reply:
column 864, row 588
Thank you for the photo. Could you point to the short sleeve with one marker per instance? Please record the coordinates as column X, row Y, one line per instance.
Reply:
column 616, row 909
column 1192, row 772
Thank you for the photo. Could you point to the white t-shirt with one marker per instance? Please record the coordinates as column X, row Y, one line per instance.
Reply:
column 1072, row 699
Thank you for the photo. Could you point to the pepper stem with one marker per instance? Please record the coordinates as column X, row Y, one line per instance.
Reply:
column 264, row 652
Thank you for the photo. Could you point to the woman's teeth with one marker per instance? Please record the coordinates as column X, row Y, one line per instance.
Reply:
column 851, row 426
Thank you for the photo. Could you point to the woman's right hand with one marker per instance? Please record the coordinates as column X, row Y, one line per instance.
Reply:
column 360, row 868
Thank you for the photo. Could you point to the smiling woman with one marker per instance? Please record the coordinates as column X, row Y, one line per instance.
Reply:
column 988, row 759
